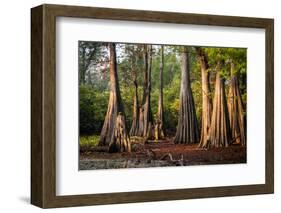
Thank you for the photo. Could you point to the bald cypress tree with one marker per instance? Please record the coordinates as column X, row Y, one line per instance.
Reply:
column 135, row 123
column 187, row 128
column 206, row 97
column 114, row 108
column 159, row 126
column 120, row 141
column 219, row 132
column 145, row 113
column 236, row 109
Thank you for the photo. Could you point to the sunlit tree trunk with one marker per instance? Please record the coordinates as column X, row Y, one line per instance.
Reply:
column 159, row 126
column 120, row 141
column 145, row 113
column 236, row 110
column 145, row 76
column 135, row 124
column 187, row 129
column 115, row 105
column 206, row 96
column 219, row 132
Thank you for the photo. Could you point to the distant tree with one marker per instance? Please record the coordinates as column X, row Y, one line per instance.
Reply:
column 159, row 126
column 87, row 52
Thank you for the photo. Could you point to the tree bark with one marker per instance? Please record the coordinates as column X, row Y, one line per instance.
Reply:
column 141, row 122
column 219, row 132
column 206, row 97
column 120, row 141
column 236, row 110
column 145, row 76
column 159, row 126
column 114, row 104
column 83, row 72
column 187, row 129
column 147, row 116
column 135, row 124
column 145, row 113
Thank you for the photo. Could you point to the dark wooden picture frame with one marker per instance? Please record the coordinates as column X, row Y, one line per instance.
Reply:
column 43, row 105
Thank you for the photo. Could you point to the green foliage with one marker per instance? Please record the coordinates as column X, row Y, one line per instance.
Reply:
column 226, row 55
column 92, row 110
column 88, row 142
column 127, row 94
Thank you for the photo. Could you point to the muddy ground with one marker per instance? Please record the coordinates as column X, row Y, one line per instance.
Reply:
column 158, row 154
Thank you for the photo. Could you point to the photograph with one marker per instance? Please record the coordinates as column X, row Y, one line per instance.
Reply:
column 140, row 105
column 153, row 105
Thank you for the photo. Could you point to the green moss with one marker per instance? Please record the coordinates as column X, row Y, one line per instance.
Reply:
column 88, row 142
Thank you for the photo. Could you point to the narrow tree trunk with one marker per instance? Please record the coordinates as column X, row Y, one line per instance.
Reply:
column 114, row 104
column 141, row 108
column 145, row 76
column 219, row 132
column 206, row 99
column 145, row 113
column 83, row 71
column 236, row 110
column 187, row 129
column 120, row 141
column 159, row 127
column 135, row 124
column 141, row 122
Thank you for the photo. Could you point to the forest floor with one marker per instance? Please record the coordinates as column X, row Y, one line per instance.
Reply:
column 158, row 154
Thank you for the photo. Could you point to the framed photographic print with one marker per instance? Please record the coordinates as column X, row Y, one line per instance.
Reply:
column 137, row 106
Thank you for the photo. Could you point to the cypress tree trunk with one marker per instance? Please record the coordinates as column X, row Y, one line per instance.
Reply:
column 114, row 104
column 159, row 127
column 219, row 132
column 147, row 116
column 141, row 108
column 187, row 129
column 236, row 110
column 135, row 124
column 141, row 122
column 120, row 141
column 145, row 113
column 206, row 99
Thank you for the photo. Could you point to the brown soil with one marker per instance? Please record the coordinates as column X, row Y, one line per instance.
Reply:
column 190, row 154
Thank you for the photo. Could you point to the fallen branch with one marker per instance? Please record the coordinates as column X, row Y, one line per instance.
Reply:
column 167, row 157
